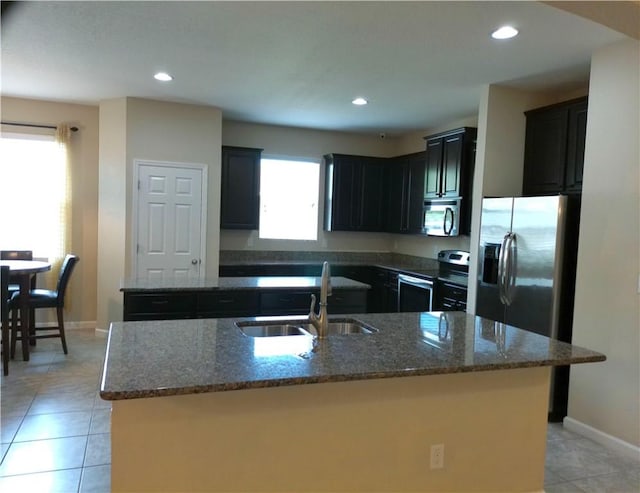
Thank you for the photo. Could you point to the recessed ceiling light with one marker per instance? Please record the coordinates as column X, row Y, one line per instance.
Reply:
column 505, row 32
column 359, row 101
column 163, row 76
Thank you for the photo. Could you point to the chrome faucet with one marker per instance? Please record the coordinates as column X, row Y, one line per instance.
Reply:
column 320, row 320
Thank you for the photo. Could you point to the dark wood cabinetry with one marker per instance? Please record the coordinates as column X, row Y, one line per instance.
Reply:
column 449, row 163
column 298, row 302
column 159, row 306
column 554, row 148
column 450, row 297
column 405, row 184
column 227, row 304
column 240, row 190
column 172, row 305
column 354, row 193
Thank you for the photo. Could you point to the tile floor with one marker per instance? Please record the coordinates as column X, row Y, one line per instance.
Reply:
column 56, row 430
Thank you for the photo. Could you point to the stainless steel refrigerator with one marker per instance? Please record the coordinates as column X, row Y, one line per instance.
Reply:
column 526, row 276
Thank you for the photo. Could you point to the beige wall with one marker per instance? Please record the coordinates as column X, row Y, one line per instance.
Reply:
column 607, row 308
column 135, row 128
column 292, row 142
column 81, row 304
column 180, row 133
column 305, row 143
column 499, row 156
column 112, row 211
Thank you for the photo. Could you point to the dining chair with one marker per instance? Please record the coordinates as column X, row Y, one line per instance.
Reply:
column 4, row 317
column 45, row 298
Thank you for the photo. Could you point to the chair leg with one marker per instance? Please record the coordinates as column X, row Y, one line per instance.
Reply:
column 24, row 336
column 61, row 328
column 5, row 348
column 14, row 328
column 32, row 328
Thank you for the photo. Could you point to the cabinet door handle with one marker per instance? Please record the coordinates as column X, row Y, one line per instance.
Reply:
column 161, row 302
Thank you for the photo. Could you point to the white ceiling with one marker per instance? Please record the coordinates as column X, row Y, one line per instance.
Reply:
column 296, row 63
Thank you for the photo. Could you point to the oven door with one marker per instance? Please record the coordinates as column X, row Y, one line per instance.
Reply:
column 414, row 294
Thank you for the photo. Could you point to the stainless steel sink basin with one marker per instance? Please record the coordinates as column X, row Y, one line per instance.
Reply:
column 336, row 326
column 265, row 329
column 343, row 326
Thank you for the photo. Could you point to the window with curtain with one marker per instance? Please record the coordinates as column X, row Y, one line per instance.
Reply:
column 34, row 194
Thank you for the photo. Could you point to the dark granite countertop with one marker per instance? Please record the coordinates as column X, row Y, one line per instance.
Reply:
column 162, row 358
column 407, row 264
column 237, row 283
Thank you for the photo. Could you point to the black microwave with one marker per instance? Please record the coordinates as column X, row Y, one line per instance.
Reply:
column 441, row 217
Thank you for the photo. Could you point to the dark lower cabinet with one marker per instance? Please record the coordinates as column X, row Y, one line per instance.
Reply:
column 159, row 306
column 299, row 302
column 384, row 291
column 173, row 305
column 227, row 304
column 450, row 297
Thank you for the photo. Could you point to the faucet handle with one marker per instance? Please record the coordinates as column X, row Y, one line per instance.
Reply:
column 312, row 308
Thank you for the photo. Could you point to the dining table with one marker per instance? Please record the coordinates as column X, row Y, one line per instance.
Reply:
column 23, row 270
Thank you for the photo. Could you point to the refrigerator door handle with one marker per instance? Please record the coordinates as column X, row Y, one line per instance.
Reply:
column 511, row 267
column 501, row 269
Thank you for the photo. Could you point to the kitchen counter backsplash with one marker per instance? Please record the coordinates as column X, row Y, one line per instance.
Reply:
column 235, row 257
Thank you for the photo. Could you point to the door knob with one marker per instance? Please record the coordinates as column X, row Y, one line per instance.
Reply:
column 194, row 261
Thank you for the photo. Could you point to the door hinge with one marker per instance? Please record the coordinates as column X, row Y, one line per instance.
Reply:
column 138, row 248
column 138, row 184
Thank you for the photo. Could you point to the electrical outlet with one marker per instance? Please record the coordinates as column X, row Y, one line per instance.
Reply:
column 437, row 456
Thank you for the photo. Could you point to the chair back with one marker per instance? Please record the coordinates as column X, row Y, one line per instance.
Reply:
column 68, row 265
column 16, row 255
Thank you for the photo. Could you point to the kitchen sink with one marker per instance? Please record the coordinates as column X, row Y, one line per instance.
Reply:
column 269, row 328
column 343, row 326
column 266, row 329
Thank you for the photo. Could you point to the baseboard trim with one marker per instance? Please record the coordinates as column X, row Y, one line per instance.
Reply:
column 88, row 324
column 609, row 441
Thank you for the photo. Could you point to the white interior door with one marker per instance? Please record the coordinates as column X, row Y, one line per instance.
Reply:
column 171, row 219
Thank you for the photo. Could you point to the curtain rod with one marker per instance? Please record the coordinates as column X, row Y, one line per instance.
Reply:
column 35, row 125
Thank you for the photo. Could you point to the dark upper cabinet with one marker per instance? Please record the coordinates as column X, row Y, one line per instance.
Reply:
column 405, row 182
column 449, row 163
column 554, row 148
column 354, row 193
column 450, row 160
column 240, row 194
column 575, row 146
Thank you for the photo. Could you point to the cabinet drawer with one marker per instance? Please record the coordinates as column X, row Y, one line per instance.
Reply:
column 159, row 305
column 286, row 302
column 228, row 304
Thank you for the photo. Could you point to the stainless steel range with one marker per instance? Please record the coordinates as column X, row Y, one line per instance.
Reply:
column 453, row 279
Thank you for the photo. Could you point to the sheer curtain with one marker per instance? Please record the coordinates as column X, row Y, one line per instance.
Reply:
column 35, row 195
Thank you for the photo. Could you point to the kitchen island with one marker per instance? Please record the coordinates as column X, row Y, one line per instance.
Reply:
column 200, row 406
